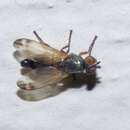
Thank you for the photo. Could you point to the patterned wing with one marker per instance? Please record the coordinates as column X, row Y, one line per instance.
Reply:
column 34, row 50
column 38, row 78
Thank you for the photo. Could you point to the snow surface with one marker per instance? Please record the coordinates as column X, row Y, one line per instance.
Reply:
column 107, row 106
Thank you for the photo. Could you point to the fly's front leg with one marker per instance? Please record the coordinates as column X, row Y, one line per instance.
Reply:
column 68, row 45
column 91, row 45
column 83, row 53
column 90, row 48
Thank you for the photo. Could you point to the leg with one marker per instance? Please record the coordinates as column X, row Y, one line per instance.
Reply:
column 38, row 37
column 91, row 45
column 90, row 48
column 83, row 53
column 68, row 45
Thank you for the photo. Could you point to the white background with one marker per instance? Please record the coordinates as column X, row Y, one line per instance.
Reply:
column 107, row 106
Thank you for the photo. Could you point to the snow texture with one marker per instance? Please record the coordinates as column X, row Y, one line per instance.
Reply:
column 107, row 106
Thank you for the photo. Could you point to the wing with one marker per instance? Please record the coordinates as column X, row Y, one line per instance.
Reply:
column 26, row 48
column 38, row 78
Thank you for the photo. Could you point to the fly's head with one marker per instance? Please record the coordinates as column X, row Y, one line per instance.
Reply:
column 91, row 62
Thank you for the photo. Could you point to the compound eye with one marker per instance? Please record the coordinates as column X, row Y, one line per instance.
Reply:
column 89, row 60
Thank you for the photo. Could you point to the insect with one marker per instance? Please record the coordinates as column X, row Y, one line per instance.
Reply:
column 44, row 65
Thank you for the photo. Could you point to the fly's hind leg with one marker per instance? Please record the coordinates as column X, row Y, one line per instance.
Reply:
column 39, row 38
column 68, row 45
